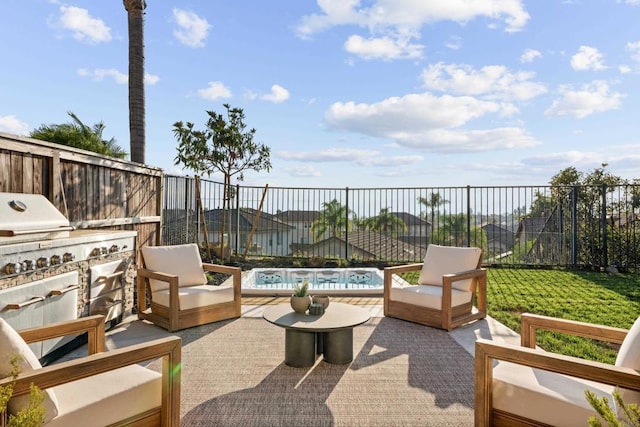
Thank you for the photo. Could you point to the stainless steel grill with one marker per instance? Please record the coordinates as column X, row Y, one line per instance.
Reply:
column 50, row 272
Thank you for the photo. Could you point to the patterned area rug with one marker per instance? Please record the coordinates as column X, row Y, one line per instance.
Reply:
column 402, row 374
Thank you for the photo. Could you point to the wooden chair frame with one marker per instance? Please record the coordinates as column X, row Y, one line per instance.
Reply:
column 98, row 361
column 487, row 352
column 448, row 317
column 172, row 318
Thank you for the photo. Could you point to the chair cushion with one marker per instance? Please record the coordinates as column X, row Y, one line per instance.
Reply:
column 196, row 296
column 441, row 260
column 107, row 398
column 427, row 295
column 629, row 357
column 12, row 344
column 180, row 260
column 544, row 396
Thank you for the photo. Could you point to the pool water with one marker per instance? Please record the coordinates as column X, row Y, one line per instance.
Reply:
column 337, row 281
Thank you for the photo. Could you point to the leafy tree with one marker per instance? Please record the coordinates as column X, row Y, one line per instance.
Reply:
column 225, row 146
column 385, row 222
column 77, row 134
column 433, row 202
column 332, row 219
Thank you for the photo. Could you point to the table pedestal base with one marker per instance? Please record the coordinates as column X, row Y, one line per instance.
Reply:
column 301, row 348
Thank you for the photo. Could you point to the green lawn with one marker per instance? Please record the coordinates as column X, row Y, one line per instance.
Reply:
column 602, row 298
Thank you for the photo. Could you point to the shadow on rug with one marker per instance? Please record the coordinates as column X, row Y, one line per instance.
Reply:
column 402, row 374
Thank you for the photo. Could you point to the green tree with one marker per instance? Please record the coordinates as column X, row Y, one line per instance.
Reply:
column 454, row 228
column 135, row 20
column 385, row 222
column 77, row 134
column 225, row 146
column 332, row 219
column 432, row 203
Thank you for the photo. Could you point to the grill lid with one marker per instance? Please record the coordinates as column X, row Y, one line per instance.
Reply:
column 31, row 215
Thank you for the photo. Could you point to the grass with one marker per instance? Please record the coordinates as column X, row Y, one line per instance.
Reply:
column 601, row 298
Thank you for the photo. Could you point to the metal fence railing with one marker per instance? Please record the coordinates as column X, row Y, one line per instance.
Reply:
column 592, row 227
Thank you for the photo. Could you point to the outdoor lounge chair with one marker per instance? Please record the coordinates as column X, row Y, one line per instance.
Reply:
column 102, row 388
column 450, row 281
column 532, row 387
column 173, row 279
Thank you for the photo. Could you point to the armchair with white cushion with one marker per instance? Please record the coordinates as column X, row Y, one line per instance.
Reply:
column 526, row 386
column 100, row 389
column 451, row 280
column 173, row 282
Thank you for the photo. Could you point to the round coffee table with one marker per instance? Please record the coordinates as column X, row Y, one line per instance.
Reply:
column 306, row 335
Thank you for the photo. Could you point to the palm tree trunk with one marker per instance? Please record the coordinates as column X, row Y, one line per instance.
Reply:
column 135, row 14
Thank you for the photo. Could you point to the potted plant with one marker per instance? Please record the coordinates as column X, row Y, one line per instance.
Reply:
column 301, row 300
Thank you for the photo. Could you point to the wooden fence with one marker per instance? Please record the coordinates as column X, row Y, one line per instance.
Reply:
column 93, row 191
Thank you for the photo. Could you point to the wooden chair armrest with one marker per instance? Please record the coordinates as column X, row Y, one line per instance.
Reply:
column 93, row 325
column 402, row 268
column 463, row 275
column 75, row 369
column 157, row 275
column 532, row 322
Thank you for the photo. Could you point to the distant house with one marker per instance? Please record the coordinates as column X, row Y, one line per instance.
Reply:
column 499, row 238
column 300, row 235
column 269, row 236
column 418, row 230
column 366, row 245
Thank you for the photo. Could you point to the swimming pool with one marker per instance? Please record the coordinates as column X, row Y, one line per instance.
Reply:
column 326, row 281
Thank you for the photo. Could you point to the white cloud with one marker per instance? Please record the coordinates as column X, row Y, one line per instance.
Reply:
column 385, row 48
column 330, row 155
column 306, row 171
column 214, row 91
column 492, row 81
column 99, row 74
column 192, row 30
column 11, row 124
column 454, row 43
column 587, row 58
column 401, row 15
column 594, row 97
column 84, row 27
column 278, row 94
column 624, row 69
column 530, row 55
column 634, row 48
column 426, row 122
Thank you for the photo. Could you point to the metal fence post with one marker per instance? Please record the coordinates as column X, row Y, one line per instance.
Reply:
column 469, row 210
column 346, row 232
column 574, row 225
column 603, row 223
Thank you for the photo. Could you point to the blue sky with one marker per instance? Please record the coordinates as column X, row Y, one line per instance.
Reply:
column 347, row 93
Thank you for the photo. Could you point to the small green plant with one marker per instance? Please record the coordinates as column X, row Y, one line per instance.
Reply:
column 31, row 416
column 631, row 411
column 301, row 289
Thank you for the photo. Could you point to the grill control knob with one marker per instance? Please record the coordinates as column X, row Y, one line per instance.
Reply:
column 95, row 252
column 28, row 264
column 114, row 248
column 68, row 257
column 104, row 250
column 42, row 262
column 12, row 268
column 55, row 259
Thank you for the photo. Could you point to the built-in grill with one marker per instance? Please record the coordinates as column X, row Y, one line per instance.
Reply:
column 50, row 272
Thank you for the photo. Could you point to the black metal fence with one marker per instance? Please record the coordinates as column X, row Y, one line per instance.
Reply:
column 593, row 227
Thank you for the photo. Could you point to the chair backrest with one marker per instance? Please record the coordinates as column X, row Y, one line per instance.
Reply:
column 441, row 260
column 12, row 345
column 180, row 260
column 629, row 357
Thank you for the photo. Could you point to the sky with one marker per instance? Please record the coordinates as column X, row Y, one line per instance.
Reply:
column 347, row 93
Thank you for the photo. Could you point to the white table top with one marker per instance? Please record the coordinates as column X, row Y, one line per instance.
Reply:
column 336, row 316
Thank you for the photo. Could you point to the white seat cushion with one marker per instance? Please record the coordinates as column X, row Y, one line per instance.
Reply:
column 109, row 397
column 441, row 260
column 196, row 296
column 179, row 260
column 544, row 396
column 427, row 296
column 629, row 357
column 11, row 345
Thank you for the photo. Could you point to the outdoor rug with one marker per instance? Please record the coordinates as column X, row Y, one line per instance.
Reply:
column 403, row 374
